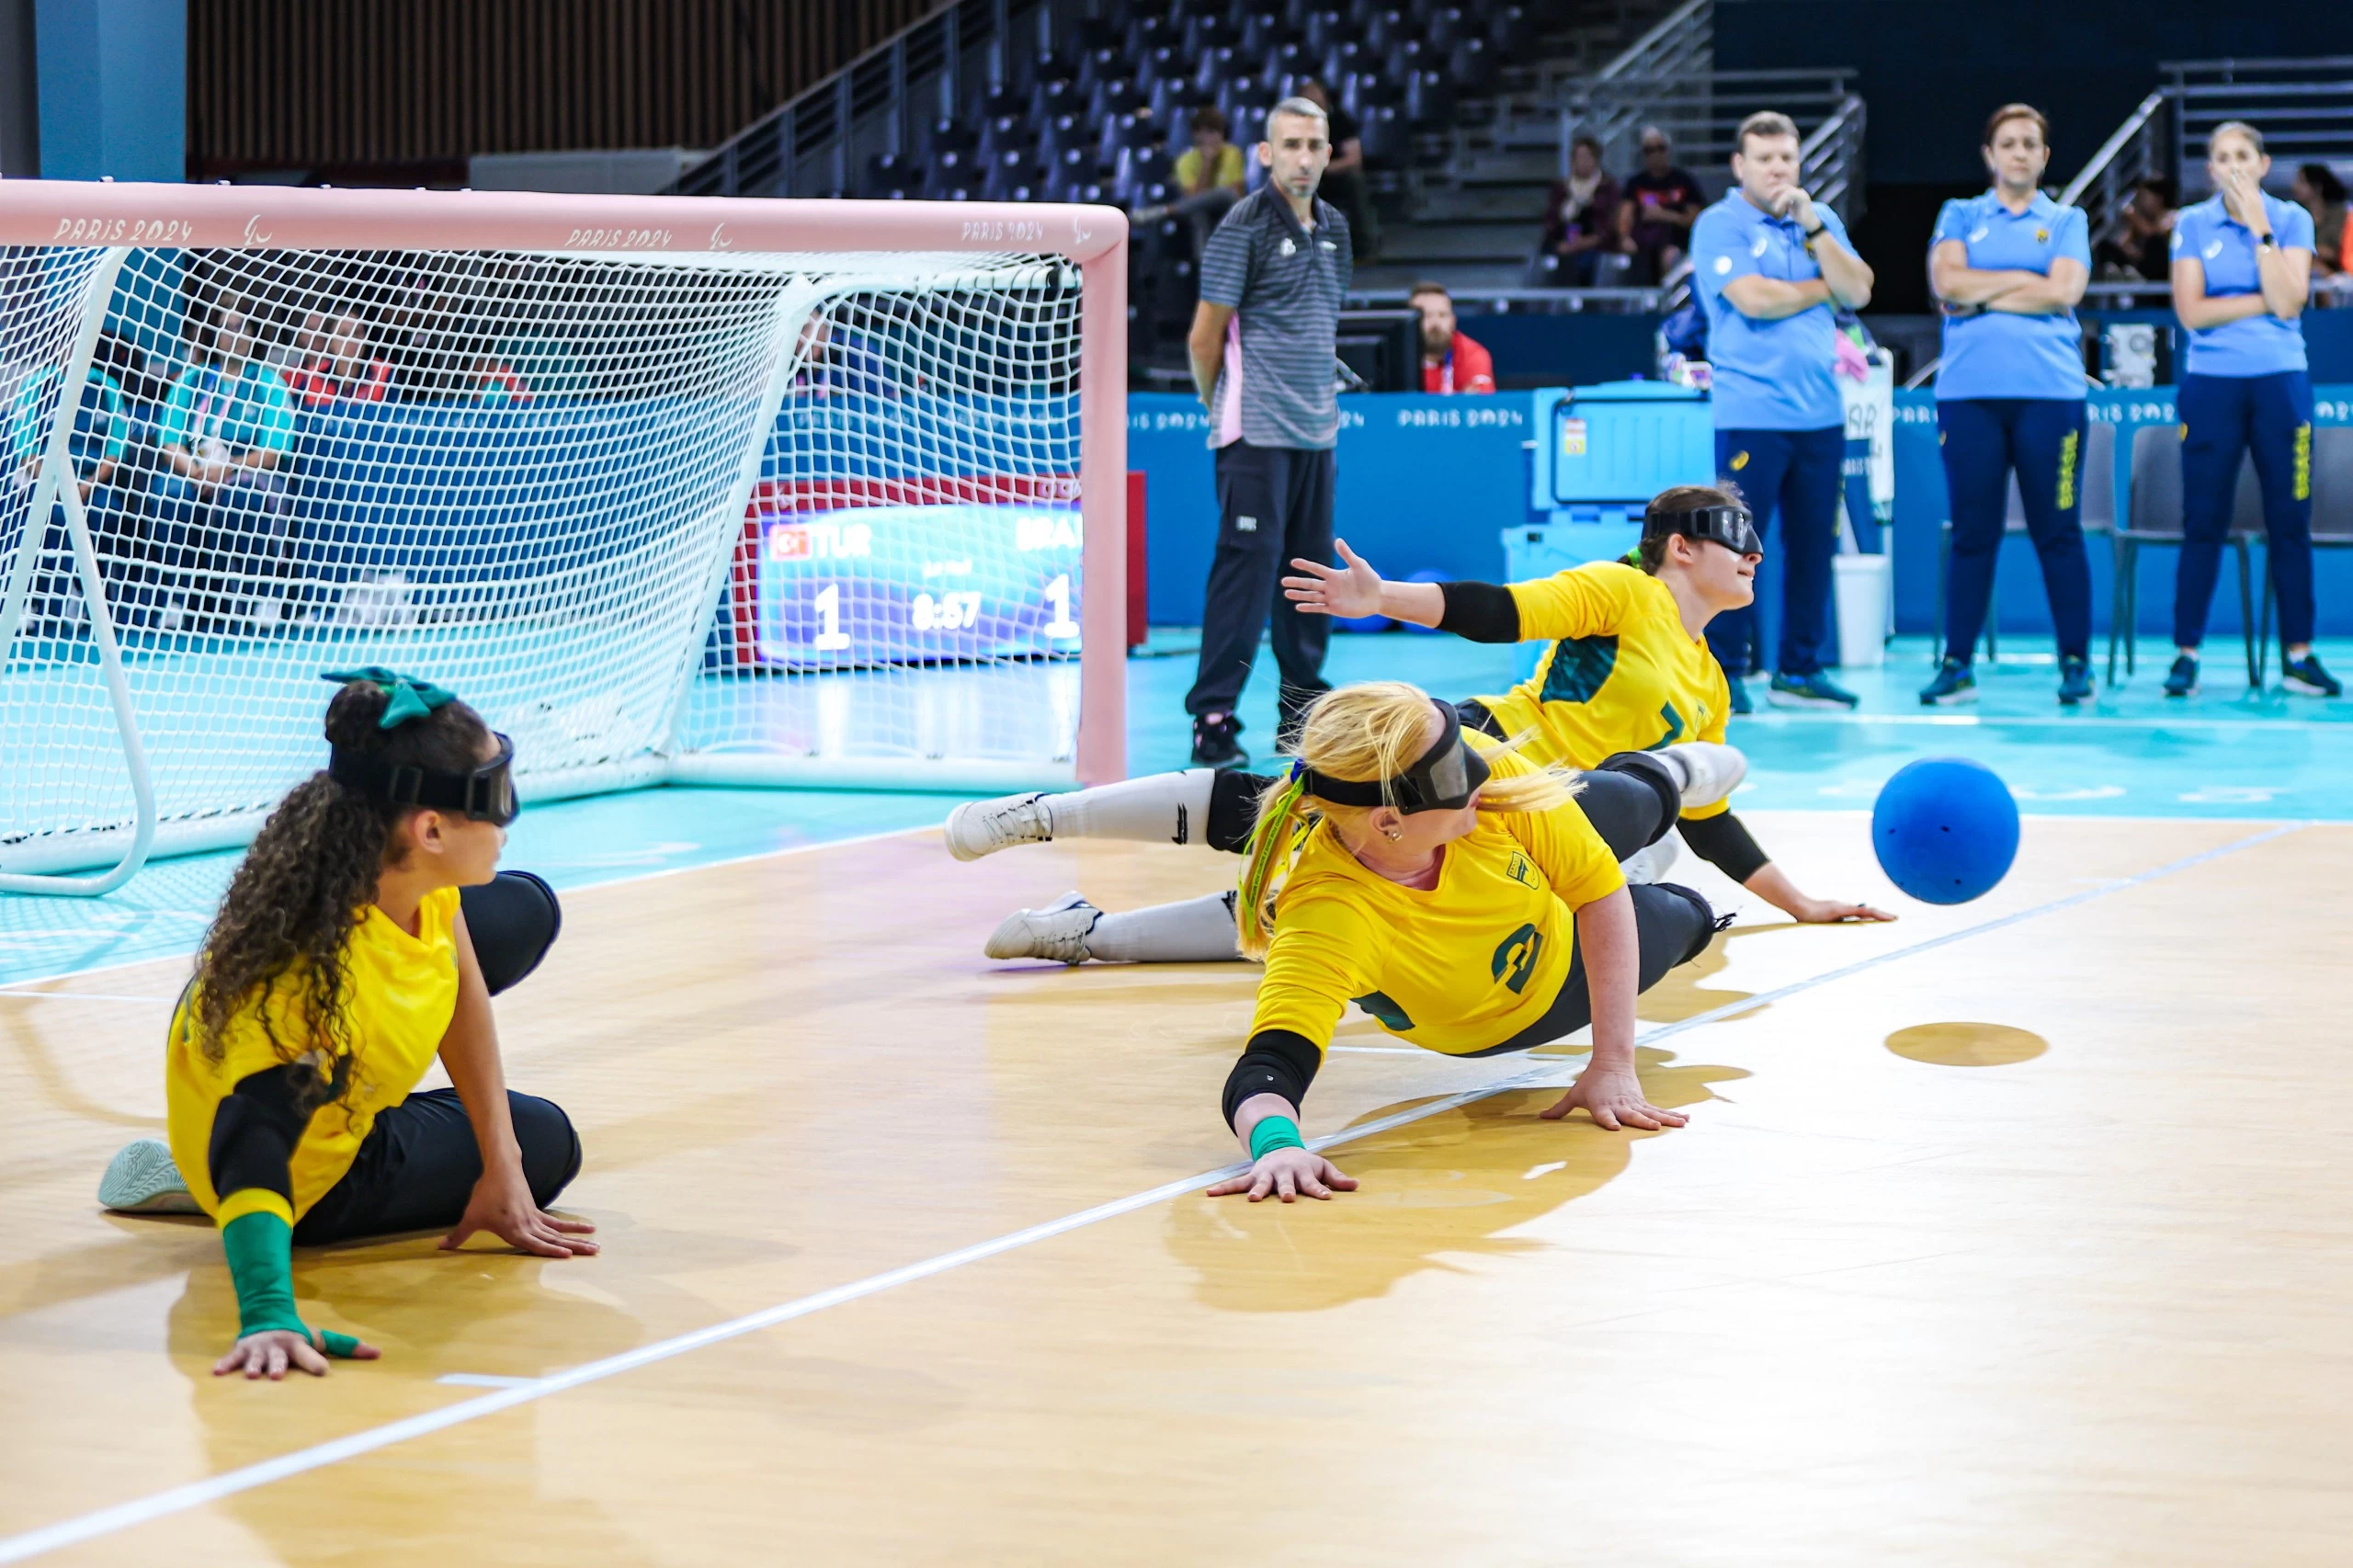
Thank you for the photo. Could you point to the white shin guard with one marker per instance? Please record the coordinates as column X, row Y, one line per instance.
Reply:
column 1200, row 930
column 1161, row 807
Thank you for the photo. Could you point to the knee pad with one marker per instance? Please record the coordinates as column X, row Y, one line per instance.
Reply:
column 1709, row 921
column 1654, row 771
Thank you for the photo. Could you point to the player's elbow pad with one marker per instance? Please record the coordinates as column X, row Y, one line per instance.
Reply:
column 1723, row 842
column 1277, row 1061
column 1479, row 612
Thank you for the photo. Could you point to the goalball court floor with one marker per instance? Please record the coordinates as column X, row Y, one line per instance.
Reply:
column 2016, row 1232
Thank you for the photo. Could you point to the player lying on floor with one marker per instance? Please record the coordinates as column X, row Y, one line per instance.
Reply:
column 1466, row 899
column 365, row 932
column 1629, row 670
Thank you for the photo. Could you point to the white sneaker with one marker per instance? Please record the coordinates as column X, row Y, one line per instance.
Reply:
column 984, row 827
column 1649, row 864
column 1711, row 770
column 141, row 1179
column 1058, row 931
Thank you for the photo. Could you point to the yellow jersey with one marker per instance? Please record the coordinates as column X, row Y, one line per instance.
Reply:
column 400, row 993
column 1621, row 674
column 1462, row 967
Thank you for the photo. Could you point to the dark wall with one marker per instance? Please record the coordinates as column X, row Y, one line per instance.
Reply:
column 409, row 89
column 19, row 91
column 1932, row 70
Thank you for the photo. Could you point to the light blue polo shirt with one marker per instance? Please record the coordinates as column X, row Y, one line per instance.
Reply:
column 1769, row 375
column 2224, row 248
column 2000, row 353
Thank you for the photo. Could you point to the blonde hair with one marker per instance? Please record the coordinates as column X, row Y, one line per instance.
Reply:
column 1364, row 733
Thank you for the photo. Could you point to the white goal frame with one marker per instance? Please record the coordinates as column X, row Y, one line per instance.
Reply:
column 120, row 219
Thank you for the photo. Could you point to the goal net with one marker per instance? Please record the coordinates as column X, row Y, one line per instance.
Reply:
column 673, row 491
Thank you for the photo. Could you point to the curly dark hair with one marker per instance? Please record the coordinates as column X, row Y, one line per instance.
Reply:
column 308, row 880
column 1652, row 551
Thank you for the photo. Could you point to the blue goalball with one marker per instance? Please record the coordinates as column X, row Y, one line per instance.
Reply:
column 1945, row 829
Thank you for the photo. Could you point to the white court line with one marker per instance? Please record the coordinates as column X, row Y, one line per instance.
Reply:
column 483, row 1381
column 9, row 992
column 213, row 1489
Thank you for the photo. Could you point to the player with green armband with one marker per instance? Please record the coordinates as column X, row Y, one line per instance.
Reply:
column 364, row 934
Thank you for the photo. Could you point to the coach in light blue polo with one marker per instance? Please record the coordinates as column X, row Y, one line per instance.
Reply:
column 2007, row 267
column 1771, row 268
column 2242, row 273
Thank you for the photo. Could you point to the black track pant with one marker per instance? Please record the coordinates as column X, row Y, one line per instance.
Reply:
column 1274, row 502
column 419, row 1164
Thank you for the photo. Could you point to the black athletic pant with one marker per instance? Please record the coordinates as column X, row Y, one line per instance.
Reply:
column 418, row 1166
column 1274, row 502
column 1632, row 800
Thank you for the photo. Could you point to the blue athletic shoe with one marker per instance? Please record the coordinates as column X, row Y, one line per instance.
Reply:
column 2183, row 679
column 2075, row 680
column 1740, row 703
column 1808, row 691
column 2306, row 679
column 1955, row 682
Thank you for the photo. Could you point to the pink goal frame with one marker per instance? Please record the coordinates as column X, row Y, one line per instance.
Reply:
column 251, row 217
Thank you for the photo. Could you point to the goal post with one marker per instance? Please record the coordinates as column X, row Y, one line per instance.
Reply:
column 675, row 490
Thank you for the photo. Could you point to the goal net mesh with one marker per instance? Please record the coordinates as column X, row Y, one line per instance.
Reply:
column 750, row 519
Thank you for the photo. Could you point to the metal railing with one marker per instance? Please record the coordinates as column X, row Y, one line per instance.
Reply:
column 878, row 103
column 1701, row 113
column 2134, row 152
column 1682, row 43
column 2304, row 107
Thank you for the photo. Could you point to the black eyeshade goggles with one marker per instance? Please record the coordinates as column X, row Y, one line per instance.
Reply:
column 487, row 794
column 1443, row 780
column 1734, row 527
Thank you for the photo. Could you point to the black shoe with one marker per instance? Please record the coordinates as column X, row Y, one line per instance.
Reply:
column 1213, row 742
column 1739, row 688
column 2075, row 680
column 2183, row 679
column 1954, row 683
column 2305, row 678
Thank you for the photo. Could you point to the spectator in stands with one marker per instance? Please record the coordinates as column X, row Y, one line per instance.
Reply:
column 224, row 435
column 492, row 383
column 1344, row 183
column 1452, row 362
column 1210, row 177
column 1661, row 203
column 1262, row 349
column 1581, row 220
column 2242, row 273
column 2321, row 194
column 336, row 363
column 1771, row 268
column 2140, row 247
column 835, row 364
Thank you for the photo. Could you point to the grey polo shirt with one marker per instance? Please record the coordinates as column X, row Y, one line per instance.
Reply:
column 1284, row 286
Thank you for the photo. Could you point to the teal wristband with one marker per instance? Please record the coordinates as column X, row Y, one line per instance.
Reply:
column 1274, row 1132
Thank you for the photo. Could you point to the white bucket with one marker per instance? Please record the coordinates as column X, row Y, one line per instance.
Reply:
column 1864, row 584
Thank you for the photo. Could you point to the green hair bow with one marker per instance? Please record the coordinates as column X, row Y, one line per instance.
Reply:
column 411, row 697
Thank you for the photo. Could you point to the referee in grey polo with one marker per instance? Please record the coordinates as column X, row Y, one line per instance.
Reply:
column 1273, row 277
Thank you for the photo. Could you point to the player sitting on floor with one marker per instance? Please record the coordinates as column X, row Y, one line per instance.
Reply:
column 1466, row 899
column 364, row 932
column 1629, row 670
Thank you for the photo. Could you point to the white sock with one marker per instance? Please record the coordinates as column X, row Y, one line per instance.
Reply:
column 1161, row 807
column 1200, row 930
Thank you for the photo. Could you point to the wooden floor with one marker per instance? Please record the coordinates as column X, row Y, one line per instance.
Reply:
column 2031, row 1248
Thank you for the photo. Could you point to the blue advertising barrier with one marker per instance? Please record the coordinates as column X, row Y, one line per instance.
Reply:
column 1426, row 484
column 2019, row 606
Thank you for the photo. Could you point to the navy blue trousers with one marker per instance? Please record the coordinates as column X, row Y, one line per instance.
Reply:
column 1794, row 475
column 2223, row 418
column 1983, row 439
